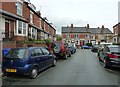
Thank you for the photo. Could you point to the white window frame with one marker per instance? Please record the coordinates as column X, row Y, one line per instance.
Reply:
column 16, row 26
column 20, row 9
column 33, row 33
column 31, row 19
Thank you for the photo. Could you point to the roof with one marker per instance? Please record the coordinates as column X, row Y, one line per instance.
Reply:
column 86, row 30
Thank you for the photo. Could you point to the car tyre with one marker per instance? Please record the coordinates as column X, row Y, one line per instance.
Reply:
column 69, row 54
column 33, row 73
column 105, row 65
column 65, row 56
column 54, row 63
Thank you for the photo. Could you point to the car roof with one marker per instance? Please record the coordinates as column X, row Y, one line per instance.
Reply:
column 106, row 43
column 113, row 46
column 27, row 48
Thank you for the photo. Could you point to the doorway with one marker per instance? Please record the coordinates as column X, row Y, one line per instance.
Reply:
column 7, row 27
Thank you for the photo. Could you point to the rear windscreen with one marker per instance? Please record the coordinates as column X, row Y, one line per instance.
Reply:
column 115, row 49
column 17, row 53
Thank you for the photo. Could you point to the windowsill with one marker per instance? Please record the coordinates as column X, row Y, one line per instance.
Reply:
column 20, row 35
column 19, row 15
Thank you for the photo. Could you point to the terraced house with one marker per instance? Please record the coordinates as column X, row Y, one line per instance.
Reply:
column 83, row 35
column 19, row 21
column 116, row 33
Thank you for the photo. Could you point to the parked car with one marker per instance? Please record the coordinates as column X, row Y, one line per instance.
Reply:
column 94, row 48
column 110, row 56
column 102, row 45
column 72, row 49
column 85, row 47
column 27, row 61
column 61, row 49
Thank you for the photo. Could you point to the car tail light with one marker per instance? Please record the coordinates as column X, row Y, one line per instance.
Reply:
column 62, row 48
column 112, row 56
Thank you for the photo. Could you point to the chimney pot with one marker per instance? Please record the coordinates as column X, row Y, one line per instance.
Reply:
column 71, row 25
column 103, row 26
column 88, row 26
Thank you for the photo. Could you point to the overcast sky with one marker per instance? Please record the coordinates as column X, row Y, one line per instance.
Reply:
column 79, row 12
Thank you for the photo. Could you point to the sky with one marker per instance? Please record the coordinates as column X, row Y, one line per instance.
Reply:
column 63, row 13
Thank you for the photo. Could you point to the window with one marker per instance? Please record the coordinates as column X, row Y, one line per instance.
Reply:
column 19, row 8
column 21, row 28
column 17, row 53
column 36, row 52
column 24, row 28
column 32, row 33
column 31, row 17
column 46, row 52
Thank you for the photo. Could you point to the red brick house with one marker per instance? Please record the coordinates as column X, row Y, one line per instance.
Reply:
column 83, row 35
column 20, row 21
column 116, row 33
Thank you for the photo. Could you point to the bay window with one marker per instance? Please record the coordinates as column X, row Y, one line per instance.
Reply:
column 21, row 28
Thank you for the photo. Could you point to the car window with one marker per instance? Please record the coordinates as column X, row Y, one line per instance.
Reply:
column 45, row 51
column 36, row 52
column 17, row 53
column 115, row 49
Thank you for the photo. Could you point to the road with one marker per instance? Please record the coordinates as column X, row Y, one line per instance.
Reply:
column 83, row 68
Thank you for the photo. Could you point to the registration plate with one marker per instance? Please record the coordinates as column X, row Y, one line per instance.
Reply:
column 11, row 70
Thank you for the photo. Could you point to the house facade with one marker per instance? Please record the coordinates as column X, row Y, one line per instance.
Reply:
column 83, row 35
column 116, row 33
column 19, row 21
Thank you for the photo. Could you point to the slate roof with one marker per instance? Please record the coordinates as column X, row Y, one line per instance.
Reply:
column 86, row 30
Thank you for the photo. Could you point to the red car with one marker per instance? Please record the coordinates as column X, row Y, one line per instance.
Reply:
column 60, row 49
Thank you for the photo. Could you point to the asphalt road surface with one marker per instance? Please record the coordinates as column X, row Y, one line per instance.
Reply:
column 83, row 68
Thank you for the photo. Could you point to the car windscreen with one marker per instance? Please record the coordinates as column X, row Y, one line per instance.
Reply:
column 115, row 49
column 17, row 53
column 96, row 46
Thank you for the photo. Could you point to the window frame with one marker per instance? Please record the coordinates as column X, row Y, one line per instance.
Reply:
column 19, row 8
column 16, row 29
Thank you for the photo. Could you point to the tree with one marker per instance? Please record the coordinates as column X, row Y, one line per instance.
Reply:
column 58, row 37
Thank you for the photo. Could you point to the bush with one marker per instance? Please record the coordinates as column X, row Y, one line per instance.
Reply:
column 89, row 44
column 116, row 43
column 40, row 42
column 47, row 41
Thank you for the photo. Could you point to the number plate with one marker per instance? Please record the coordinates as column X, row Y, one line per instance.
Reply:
column 11, row 70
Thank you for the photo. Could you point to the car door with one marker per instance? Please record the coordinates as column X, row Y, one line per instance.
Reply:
column 47, row 56
column 37, row 58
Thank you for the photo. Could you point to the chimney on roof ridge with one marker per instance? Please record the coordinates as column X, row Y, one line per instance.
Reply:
column 38, row 12
column 88, row 26
column 103, row 27
column 72, row 25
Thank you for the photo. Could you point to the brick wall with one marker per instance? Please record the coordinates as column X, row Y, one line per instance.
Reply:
column 26, row 12
column 36, row 20
column 10, row 7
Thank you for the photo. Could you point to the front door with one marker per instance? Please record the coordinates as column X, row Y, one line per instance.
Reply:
column 6, row 29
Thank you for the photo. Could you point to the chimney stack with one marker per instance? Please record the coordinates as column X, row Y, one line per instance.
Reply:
column 72, row 25
column 88, row 26
column 103, row 27
column 38, row 12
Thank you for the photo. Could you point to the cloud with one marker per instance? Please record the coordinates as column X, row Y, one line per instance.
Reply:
column 79, row 12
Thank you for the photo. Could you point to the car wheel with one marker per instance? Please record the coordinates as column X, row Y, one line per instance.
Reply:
column 70, row 54
column 54, row 63
column 65, row 56
column 33, row 73
column 105, row 65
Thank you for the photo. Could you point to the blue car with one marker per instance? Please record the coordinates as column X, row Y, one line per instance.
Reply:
column 27, row 61
column 86, row 47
